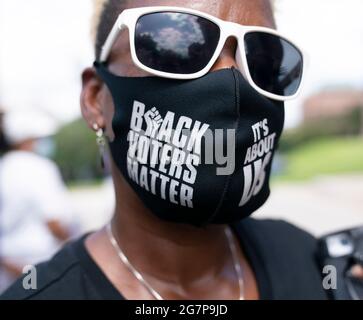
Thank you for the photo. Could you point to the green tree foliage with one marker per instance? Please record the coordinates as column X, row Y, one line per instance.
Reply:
column 77, row 152
column 346, row 125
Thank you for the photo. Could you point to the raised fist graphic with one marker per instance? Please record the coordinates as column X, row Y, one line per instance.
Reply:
column 153, row 121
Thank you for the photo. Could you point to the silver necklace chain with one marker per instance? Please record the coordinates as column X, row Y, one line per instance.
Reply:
column 154, row 293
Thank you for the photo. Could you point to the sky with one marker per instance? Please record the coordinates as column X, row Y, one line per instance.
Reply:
column 44, row 45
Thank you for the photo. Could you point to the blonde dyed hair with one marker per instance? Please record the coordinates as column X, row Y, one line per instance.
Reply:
column 98, row 7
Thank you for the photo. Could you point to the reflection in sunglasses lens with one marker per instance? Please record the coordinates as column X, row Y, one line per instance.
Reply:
column 275, row 64
column 175, row 42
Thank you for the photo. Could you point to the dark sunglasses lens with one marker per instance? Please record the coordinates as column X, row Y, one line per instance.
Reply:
column 275, row 64
column 175, row 42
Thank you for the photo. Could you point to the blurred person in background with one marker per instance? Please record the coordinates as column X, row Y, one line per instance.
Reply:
column 183, row 231
column 35, row 212
column 3, row 145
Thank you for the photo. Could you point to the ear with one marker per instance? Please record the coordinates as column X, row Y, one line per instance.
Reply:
column 91, row 99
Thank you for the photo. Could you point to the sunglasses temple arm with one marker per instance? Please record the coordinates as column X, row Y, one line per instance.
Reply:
column 116, row 29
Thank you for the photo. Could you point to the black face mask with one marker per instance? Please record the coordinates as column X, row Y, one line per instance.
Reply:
column 196, row 151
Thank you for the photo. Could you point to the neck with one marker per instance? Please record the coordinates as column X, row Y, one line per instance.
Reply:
column 180, row 253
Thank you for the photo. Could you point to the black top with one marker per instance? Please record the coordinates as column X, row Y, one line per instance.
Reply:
column 281, row 255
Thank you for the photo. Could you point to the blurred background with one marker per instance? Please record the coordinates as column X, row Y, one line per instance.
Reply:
column 318, row 174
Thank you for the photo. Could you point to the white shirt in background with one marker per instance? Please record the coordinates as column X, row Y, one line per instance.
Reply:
column 31, row 193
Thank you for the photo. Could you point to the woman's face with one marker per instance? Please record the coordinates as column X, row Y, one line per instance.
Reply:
column 96, row 102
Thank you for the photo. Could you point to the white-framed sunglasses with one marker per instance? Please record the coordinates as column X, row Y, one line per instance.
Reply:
column 181, row 43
